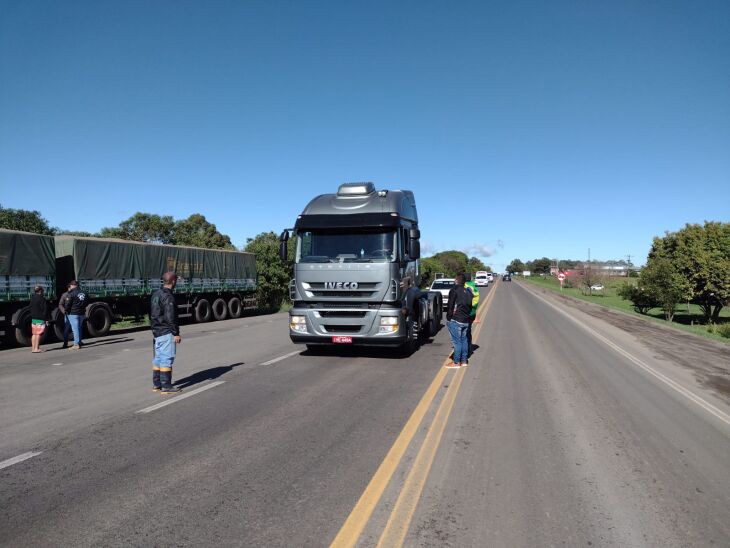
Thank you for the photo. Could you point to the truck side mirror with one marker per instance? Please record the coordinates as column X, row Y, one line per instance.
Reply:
column 283, row 247
column 414, row 234
column 415, row 249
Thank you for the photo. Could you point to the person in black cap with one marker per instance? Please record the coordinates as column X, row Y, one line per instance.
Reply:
column 166, row 333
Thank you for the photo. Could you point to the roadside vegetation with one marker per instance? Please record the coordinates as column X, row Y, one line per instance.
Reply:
column 685, row 282
column 449, row 264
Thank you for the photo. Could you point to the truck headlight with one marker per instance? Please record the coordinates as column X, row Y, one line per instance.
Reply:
column 298, row 323
column 388, row 324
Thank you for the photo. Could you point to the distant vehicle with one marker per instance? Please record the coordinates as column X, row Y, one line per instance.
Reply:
column 482, row 278
column 507, row 278
column 490, row 276
column 443, row 286
column 597, row 287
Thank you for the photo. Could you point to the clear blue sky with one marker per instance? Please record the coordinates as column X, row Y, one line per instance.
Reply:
column 525, row 128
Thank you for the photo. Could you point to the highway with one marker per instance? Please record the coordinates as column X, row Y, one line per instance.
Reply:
column 566, row 429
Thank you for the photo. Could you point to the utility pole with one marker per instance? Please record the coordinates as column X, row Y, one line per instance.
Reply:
column 628, row 265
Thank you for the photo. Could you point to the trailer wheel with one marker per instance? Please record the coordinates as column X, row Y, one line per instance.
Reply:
column 220, row 309
column 22, row 327
column 203, row 312
column 58, row 321
column 234, row 307
column 98, row 320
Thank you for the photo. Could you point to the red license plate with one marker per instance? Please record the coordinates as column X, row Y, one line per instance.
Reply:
column 341, row 340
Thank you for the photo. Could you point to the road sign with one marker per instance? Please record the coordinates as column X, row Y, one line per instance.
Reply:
column 561, row 276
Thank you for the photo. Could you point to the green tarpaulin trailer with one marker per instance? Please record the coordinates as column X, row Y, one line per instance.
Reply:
column 110, row 267
column 118, row 277
column 26, row 260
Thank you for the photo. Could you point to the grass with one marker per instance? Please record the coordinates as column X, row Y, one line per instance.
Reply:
column 688, row 317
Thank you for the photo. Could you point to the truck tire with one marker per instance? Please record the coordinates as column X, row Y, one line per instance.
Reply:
column 220, row 309
column 235, row 309
column 22, row 326
column 98, row 320
column 58, row 321
column 203, row 313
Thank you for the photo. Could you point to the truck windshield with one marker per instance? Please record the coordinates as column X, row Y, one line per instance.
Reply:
column 361, row 247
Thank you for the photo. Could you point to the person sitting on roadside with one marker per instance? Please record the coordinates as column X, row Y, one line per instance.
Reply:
column 457, row 320
column 39, row 317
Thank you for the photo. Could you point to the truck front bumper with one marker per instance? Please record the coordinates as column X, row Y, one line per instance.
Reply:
column 364, row 327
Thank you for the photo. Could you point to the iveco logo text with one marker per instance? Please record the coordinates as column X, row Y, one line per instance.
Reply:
column 340, row 285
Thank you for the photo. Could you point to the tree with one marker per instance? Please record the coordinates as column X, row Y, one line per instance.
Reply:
column 25, row 220
column 475, row 265
column 143, row 227
column 665, row 284
column 540, row 266
column 700, row 254
column 642, row 300
column 516, row 266
column 273, row 274
column 197, row 231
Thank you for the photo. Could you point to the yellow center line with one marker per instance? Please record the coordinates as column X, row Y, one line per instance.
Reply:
column 353, row 527
column 405, row 507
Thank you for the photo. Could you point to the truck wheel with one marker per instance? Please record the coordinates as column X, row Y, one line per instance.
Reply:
column 220, row 309
column 234, row 307
column 22, row 327
column 98, row 320
column 411, row 345
column 203, row 312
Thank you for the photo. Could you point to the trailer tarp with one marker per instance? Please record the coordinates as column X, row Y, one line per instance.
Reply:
column 104, row 258
column 26, row 254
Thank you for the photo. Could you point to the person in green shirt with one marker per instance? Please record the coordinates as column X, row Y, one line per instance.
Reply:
column 472, row 287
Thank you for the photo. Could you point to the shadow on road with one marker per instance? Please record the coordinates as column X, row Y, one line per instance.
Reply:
column 105, row 341
column 206, row 375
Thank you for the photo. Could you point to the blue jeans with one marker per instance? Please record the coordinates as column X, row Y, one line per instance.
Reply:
column 164, row 352
column 458, row 330
column 76, row 320
column 66, row 329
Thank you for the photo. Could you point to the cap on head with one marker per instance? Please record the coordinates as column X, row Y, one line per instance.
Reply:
column 73, row 283
column 169, row 277
column 38, row 289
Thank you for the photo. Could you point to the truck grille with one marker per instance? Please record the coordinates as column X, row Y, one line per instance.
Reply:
column 342, row 328
column 342, row 313
column 364, row 290
column 346, row 294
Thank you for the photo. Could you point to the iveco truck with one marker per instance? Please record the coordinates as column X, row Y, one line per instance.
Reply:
column 356, row 272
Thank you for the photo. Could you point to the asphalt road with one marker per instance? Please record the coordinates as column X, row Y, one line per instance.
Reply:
column 563, row 430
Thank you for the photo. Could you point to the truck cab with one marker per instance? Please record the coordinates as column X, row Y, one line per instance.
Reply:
column 356, row 270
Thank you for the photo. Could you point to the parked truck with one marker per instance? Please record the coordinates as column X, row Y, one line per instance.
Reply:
column 356, row 272
column 118, row 277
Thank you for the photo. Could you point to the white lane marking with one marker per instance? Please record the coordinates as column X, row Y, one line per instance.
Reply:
column 707, row 406
column 57, row 364
column 182, row 396
column 19, row 458
column 285, row 356
column 126, row 349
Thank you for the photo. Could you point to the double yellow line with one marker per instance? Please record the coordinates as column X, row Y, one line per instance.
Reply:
column 400, row 518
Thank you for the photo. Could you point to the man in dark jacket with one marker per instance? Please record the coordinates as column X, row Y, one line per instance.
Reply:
column 166, row 332
column 457, row 320
column 75, row 307
column 66, row 323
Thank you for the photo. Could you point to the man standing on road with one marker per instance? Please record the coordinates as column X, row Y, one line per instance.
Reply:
column 166, row 332
column 75, row 306
column 457, row 319
column 66, row 323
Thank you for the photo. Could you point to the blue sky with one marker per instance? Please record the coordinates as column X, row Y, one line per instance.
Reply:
column 524, row 128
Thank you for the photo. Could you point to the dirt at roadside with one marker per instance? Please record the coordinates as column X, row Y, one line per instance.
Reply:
column 707, row 359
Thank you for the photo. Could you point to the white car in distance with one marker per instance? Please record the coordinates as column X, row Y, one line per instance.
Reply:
column 481, row 278
column 443, row 286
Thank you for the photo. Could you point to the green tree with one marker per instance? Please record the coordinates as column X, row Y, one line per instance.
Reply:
column 540, row 266
column 516, row 266
column 25, row 220
column 273, row 274
column 642, row 300
column 197, row 231
column 665, row 284
column 474, row 265
column 143, row 227
column 701, row 254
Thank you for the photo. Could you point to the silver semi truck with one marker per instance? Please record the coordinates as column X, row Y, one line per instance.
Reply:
column 356, row 272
